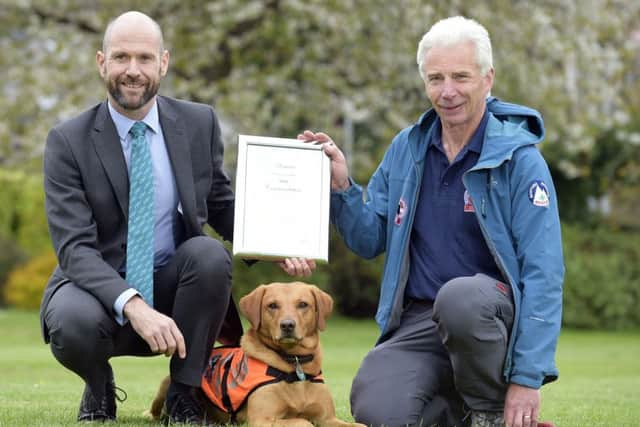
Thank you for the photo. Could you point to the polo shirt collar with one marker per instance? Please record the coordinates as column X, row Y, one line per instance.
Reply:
column 477, row 138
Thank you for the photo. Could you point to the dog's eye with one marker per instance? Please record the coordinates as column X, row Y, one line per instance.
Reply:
column 303, row 304
column 272, row 306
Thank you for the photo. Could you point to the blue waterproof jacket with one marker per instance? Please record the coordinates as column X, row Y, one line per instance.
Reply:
column 516, row 205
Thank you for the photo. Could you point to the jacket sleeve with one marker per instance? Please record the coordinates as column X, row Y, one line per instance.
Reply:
column 220, row 200
column 538, row 245
column 72, row 226
column 361, row 217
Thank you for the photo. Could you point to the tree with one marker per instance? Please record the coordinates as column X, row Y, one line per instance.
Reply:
column 275, row 66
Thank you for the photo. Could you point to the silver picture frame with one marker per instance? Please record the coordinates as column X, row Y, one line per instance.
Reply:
column 282, row 199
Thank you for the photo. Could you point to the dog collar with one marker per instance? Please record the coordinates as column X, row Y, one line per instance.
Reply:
column 296, row 360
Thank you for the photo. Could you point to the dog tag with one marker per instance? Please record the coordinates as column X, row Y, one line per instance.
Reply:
column 299, row 371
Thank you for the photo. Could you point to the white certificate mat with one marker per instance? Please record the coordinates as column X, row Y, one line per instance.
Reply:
column 282, row 199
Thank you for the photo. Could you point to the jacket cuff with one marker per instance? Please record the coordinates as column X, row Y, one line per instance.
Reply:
column 353, row 187
column 527, row 381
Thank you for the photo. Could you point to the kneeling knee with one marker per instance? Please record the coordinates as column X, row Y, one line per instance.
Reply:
column 458, row 306
column 373, row 404
column 74, row 333
column 209, row 257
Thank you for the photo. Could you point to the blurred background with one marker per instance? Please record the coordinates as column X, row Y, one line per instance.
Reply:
column 276, row 67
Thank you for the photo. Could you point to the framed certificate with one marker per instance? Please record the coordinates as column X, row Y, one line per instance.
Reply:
column 282, row 199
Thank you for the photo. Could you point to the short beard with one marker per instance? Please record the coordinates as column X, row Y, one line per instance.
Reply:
column 149, row 92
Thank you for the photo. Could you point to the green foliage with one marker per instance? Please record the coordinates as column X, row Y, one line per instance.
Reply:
column 616, row 173
column 602, row 283
column 613, row 181
column 10, row 256
column 22, row 214
column 23, row 227
column 25, row 284
column 354, row 282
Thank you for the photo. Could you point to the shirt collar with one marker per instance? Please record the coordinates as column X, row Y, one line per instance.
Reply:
column 477, row 139
column 124, row 123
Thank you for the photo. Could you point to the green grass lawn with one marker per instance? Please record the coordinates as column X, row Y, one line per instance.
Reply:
column 599, row 381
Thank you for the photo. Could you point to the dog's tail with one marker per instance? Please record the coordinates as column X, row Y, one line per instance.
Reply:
column 155, row 411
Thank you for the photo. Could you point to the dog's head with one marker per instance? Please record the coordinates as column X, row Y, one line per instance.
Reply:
column 287, row 312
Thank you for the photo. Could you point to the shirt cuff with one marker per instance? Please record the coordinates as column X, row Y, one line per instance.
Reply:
column 118, row 306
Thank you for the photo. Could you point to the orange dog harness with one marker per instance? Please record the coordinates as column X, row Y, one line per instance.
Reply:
column 231, row 376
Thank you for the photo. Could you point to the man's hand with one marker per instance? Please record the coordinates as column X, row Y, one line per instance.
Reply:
column 521, row 406
column 298, row 266
column 339, row 170
column 158, row 330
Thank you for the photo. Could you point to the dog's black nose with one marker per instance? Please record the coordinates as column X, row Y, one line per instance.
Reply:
column 287, row 325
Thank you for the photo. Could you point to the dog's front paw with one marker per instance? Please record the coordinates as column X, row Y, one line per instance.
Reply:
column 149, row 416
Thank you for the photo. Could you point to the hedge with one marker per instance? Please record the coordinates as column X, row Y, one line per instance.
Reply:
column 23, row 227
column 25, row 284
column 22, row 215
column 602, row 282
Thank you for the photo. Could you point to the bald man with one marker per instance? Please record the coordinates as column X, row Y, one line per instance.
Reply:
column 90, row 312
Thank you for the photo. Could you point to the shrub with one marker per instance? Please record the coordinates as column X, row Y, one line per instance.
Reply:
column 22, row 213
column 10, row 256
column 602, row 282
column 353, row 281
column 26, row 283
column 23, row 226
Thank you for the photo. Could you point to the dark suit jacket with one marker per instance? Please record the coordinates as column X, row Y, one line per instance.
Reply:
column 87, row 196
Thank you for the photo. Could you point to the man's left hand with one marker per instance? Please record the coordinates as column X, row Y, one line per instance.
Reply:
column 521, row 406
column 298, row 266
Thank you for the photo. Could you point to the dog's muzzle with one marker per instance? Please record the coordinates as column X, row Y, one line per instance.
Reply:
column 287, row 330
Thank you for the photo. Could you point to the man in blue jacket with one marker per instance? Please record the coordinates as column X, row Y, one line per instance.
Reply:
column 464, row 206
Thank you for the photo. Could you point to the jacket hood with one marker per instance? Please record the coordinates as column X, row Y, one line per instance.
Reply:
column 510, row 126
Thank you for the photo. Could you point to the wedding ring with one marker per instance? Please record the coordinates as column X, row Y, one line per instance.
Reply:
column 527, row 416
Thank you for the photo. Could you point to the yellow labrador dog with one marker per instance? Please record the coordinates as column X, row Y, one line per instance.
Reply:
column 275, row 377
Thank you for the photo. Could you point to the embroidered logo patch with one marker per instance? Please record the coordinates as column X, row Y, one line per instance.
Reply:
column 539, row 194
column 400, row 212
column 468, row 203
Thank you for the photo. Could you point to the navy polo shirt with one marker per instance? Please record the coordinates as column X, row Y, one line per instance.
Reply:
column 446, row 241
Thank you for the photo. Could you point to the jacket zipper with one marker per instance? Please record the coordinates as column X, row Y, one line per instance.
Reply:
column 496, row 256
column 402, row 271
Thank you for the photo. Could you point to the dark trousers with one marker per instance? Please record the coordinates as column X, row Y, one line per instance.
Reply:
column 445, row 358
column 193, row 289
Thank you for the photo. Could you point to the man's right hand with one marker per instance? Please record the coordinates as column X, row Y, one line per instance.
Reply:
column 159, row 331
column 339, row 170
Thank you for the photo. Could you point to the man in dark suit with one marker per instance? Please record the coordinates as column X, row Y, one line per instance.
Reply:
column 90, row 312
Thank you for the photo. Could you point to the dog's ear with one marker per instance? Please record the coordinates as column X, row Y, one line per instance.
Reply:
column 251, row 306
column 324, row 306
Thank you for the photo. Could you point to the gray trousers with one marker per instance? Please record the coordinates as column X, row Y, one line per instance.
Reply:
column 193, row 289
column 445, row 358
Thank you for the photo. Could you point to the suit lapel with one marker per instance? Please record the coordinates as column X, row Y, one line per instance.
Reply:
column 175, row 139
column 107, row 144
